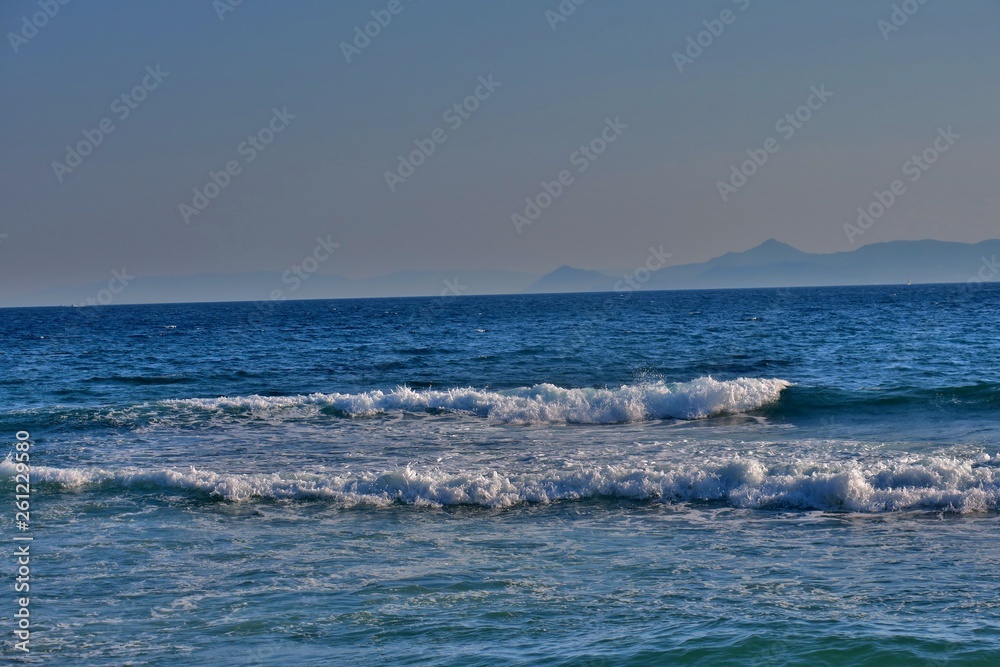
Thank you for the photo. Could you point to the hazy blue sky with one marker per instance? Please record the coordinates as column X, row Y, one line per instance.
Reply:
column 324, row 173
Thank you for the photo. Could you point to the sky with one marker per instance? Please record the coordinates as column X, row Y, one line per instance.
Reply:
column 627, row 124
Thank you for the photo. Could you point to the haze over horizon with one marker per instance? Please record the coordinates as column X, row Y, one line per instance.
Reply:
column 771, row 264
column 612, row 121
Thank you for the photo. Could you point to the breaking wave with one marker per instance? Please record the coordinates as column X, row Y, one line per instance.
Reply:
column 542, row 403
column 909, row 483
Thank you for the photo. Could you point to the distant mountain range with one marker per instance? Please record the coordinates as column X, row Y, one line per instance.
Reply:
column 775, row 264
column 771, row 264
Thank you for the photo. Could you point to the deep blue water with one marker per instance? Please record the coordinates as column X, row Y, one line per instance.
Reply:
column 803, row 476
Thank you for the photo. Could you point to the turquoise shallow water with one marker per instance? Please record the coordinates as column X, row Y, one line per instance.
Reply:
column 741, row 477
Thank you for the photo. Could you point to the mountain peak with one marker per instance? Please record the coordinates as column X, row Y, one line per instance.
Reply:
column 566, row 268
column 571, row 279
column 770, row 251
column 774, row 244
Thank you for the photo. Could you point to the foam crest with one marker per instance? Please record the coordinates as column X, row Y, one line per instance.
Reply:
column 542, row 403
column 941, row 484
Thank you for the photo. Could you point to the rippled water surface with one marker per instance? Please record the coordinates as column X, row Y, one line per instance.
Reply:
column 806, row 476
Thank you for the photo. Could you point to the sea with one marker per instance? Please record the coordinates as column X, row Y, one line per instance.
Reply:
column 804, row 476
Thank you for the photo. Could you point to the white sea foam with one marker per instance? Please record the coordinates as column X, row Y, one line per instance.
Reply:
column 542, row 403
column 908, row 483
